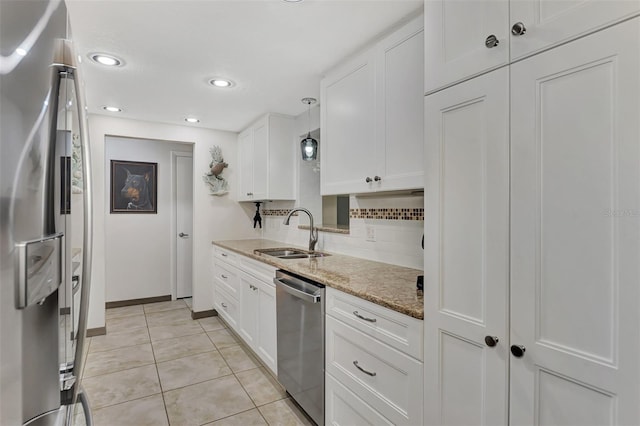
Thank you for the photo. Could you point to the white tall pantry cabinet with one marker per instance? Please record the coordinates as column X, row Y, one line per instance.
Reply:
column 532, row 220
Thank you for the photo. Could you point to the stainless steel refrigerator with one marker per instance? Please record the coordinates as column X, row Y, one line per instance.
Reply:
column 45, row 217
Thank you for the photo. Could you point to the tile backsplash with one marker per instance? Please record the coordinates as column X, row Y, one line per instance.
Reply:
column 385, row 229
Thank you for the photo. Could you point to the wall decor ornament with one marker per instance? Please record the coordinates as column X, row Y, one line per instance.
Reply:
column 217, row 184
column 134, row 187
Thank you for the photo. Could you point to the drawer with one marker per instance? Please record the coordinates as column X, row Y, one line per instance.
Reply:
column 378, row 374
column 225, row 255
column 400, row 331
column 343, row 407
column 260, row 270
column 227, row 277
column 226, row 306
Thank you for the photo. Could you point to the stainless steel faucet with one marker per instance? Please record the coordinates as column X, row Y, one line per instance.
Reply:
column 313, row 232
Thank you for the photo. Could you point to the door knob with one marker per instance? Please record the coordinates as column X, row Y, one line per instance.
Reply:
column 182, row 235
column 518, row 350
column 377, row 178
column 368, row 179
column 518, row 29
column 491, row 341
column 491, row 41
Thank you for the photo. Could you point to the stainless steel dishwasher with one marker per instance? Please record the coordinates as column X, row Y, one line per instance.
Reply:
column 300, row 315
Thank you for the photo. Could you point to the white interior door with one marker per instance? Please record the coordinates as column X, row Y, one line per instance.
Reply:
column 467, row 252
column 184, row 225
column 575, row 196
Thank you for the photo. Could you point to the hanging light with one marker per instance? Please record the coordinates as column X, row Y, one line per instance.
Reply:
column 309, row 145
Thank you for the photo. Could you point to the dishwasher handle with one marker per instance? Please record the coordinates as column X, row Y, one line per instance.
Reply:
column 290, row 287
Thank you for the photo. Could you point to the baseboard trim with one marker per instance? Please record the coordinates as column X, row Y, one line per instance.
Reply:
column 98, row 331
column 203, row 314
column 131, row 302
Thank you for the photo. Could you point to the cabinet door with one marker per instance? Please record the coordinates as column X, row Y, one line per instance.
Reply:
column 400, row 104
column 575, row 232
column 266, row 337
column 455, row 36
column 344, row 408
column 348, row 126
column 245, row 165
column 466, row 252
column 248, row 309
column 552, row 22
column 261, row 160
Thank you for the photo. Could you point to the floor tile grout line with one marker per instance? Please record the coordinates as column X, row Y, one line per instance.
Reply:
column 153, row 353
column 125, row 402
column 117, row 371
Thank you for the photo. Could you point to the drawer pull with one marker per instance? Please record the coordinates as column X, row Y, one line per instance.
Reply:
column 223, row 276
column 224, row 305
column 364, row 318
column 223, row 254
column 363, row 370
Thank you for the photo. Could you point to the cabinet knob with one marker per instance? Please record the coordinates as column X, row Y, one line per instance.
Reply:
column 518, row 29
column 491, row 41
column 491, row 341
column 518, row 350
column 368, row 179
column 377, row 178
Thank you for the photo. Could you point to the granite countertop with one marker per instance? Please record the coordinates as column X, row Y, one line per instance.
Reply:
column 387, row 285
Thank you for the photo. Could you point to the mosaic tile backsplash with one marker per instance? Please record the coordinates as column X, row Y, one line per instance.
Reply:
column 384, row 213
column 387, row 214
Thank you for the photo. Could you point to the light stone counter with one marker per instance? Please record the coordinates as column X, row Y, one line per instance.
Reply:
column 391, row 286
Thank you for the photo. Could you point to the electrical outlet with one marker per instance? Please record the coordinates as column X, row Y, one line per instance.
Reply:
column 371, row 233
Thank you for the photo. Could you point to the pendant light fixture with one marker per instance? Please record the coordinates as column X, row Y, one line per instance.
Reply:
column 309, row 145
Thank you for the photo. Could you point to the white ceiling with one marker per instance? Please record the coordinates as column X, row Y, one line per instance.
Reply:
column 275, row 51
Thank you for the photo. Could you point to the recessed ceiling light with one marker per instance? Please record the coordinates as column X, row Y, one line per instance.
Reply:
column 220, row 82
column 191, row 120
column 104, row 59
column 20, row 51
column 112, row 109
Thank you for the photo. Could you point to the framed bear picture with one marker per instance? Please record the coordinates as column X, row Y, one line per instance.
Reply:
column 134, row 187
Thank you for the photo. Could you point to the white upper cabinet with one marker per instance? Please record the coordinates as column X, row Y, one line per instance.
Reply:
column 400, row 109
column 372, row 117
column 348, row 127
column 549, row 23
column 266, row 155
column 465, row 38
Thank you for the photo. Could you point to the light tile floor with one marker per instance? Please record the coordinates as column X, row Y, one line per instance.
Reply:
column 157, row 366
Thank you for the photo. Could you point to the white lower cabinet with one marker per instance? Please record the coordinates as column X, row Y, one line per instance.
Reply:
column 227, row 306
column 258, row 319
column 344, row 408
column 367, row 380
column 245, row 297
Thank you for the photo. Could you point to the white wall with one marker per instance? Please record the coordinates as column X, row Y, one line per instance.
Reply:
column 215, row 218
column 138, row 246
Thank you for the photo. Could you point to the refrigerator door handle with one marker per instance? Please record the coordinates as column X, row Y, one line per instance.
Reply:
column 87, row 245
column 86, row 407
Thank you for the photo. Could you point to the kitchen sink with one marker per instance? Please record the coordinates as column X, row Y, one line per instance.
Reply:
column 290, row 253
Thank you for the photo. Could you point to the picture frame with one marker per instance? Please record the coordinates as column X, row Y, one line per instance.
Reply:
column 134, row 187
